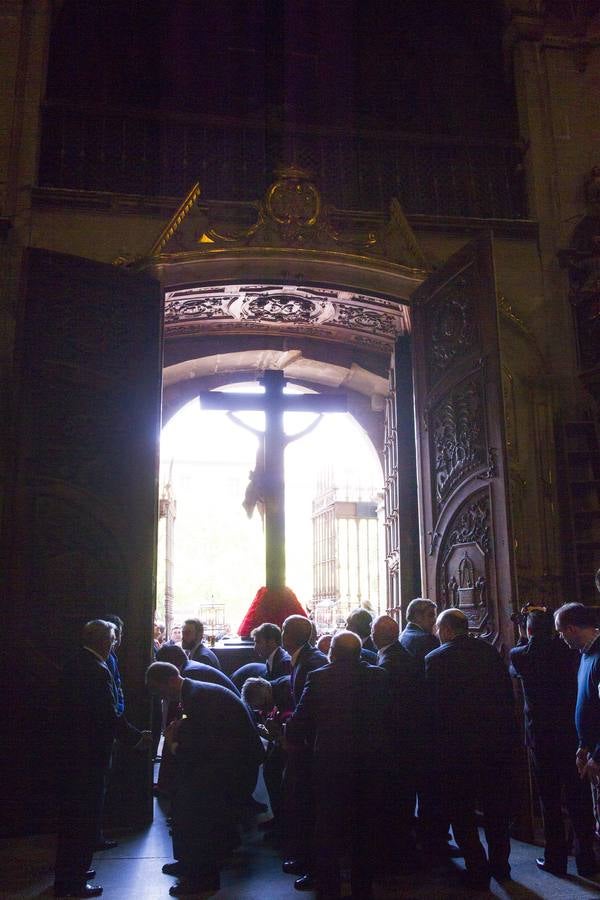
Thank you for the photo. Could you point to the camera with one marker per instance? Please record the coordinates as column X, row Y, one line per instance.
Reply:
column 520, row 618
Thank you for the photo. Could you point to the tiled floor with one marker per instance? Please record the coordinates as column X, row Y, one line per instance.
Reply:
column 133, row 872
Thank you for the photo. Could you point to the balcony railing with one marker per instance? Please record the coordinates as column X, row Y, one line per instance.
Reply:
column 159, row 154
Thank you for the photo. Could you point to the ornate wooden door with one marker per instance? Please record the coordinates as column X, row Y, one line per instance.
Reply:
column 400, row 485
column 466, row 545
column 81, row 516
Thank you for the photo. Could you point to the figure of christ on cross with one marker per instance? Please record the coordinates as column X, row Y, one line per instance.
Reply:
column 273, row 402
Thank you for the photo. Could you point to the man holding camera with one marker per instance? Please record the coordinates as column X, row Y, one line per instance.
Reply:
column 547, row 668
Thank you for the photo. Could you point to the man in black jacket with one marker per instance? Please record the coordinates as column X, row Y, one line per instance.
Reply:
column 472, row 703
column 88, row 726
column 418, row 637
column 297, row 779
column 547, row 668
column 218, row 752
column 408, row 739
column 191, row 641
column 343, row 715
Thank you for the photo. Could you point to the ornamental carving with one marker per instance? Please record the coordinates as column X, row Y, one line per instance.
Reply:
column 282, row 308
column 452, row 328
column 472, row 525
column 458, row 436
column 304, row 308
column 290, row 214
column 365, row 319
column 463, row 571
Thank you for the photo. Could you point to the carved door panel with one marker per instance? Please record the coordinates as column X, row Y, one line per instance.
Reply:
column 400, row 486
column 466, row 545
column 82, row 504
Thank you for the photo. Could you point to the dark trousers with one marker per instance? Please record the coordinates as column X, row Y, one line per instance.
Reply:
column 489, row 788
column 556, row 777
column 79, row 820
column 298, row 805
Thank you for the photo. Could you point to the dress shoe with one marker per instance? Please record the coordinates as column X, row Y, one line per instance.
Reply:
column 294, row 867
column 91, row 873
column 85, row 890
column 174, row 868
column 305, row 883
column 558, row 869
column 189, row 886
column 105, row 845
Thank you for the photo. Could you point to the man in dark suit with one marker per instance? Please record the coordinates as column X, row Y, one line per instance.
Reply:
column 359, row 622
column 88, row 726
column 407, row 740
column 197, row 671
column 191, row 641
column 297, row 788
column 547, row 669
column 218, row 752
column 343, row 715
column 267, row 644
column 418, row 637
column 304, row 657
column 472, row 702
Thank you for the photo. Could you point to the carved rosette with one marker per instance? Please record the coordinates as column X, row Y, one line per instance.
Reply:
column 458, row 438
column 462, row 580
column 451, row 323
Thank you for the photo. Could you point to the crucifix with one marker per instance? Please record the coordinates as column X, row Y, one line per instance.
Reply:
column 273, row 402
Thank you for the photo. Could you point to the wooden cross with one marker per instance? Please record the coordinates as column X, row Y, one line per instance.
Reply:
column 273, row 402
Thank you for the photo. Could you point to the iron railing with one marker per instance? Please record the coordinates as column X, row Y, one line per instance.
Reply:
column 156, row 153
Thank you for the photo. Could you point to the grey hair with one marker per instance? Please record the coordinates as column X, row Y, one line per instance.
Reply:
column 257, row 692
column 95, row 632
column 417, row 607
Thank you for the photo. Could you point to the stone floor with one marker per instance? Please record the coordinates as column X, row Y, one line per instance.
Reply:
column 133, row 872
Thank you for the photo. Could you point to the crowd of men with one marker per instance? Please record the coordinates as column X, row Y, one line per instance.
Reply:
column 370, row 753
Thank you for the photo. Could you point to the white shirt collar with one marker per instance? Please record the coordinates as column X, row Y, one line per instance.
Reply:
column 381, row 649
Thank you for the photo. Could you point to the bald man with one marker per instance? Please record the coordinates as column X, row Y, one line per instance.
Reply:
column 295, row 638
column 473, row 709
column 343, row 714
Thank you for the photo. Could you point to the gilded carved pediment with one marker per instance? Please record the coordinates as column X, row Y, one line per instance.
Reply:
column 291, row 215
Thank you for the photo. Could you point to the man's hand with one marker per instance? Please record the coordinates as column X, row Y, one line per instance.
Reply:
column 172, row 733
column 592, row 771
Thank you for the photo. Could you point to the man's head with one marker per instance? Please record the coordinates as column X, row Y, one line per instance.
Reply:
column 359, row 621
column 176, row 633
column 540, row 624
column 576, row 624
column 172, row 653
column 191, row 633
column 257, row 693
column 345, row 646
column 164, row 679
column 450, row 624
column 159, row 631
column 117, row 621
column 324, row 643
column 296, row 631
column 267, row 638
column 99, row 635
column 385, row 631
column 422, row 612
